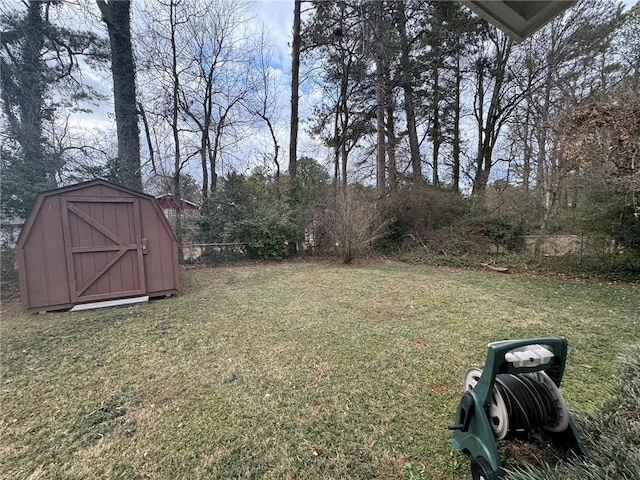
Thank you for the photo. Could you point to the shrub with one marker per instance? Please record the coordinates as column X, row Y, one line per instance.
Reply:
column 247, row 210
column 9, row 286
column 629, row 234
column 413, row 212
column 223, row 213
column 353, row 223
column 505, row 231
column 268, row 232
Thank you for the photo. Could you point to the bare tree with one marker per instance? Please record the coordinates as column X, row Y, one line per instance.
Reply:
column 263, row 103
column 555, row 70
column 195, row 76
column 217, row 81
column 493, row 103
column 163, row 40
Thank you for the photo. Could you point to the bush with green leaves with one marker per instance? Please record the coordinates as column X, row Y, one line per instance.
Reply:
column 629, row 233
column 504, row 230
column 308, row 194
column 223, row 212
column 414, row 212
column 607, row 214
column 8, row 274
column 268, row 230
column 247, row 210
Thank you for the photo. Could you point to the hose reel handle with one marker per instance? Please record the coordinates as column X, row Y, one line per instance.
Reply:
column 466, row 409
column 501, row 348
column 497, row 352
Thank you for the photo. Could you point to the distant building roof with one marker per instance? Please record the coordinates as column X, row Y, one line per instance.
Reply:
column 167, row 202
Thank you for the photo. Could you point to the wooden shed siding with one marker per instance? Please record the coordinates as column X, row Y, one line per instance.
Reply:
column 34, row 261
column 85, row 243
column 159, row 278
column 46, row 289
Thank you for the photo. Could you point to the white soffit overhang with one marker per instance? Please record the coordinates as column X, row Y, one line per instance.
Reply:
column 518, row 18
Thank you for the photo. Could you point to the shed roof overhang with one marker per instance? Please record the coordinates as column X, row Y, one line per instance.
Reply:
column 518, row 18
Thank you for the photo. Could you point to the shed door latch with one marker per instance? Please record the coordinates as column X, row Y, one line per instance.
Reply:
column 144, row 246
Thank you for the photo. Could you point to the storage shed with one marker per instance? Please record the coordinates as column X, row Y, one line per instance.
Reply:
column 95, row 241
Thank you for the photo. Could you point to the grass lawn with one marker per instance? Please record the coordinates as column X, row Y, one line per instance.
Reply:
column 294, row 370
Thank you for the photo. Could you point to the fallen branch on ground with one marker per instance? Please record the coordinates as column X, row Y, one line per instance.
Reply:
column 494, row 268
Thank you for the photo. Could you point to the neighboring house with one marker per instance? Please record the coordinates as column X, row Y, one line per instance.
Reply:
column 10, row 230
column 190, row 212
column 168, row 206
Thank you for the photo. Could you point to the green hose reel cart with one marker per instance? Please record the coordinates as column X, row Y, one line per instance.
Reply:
column 516, row 395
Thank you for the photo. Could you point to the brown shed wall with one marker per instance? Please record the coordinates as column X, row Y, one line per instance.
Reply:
column 95, row 241
column 43, row 257
column 161, row 261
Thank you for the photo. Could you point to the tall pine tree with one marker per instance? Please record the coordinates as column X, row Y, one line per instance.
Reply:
column 37, row 58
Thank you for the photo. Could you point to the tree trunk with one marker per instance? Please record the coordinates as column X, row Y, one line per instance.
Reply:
column 391, row 146
column 380, row 147
column 381, row 100
column 31, row 109
column 213, row 156
column 213, row 153
column 205, row 144
column 177, row 160
column 295, row 81
column 490, row 128
column 116, row 15
column 456, row 126
column 526, row 152
column 344, row 122
column 344, row 154
column 276, row 147
column 336, row 146
column 543, row 184
column 407, row 88
column 479, row 113
column 436, row 136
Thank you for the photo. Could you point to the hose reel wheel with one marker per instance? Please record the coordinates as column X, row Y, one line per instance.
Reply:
column 481, row 470
column 499, row 413
column 562, row 422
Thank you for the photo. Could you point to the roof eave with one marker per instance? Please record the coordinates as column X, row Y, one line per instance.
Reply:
column 518, row 19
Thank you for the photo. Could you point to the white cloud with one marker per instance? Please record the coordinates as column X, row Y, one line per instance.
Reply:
column 277, row 16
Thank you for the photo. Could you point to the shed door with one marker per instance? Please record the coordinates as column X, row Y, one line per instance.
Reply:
column 103, row 247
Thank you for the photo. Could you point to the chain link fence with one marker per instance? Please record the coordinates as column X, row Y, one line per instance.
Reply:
column 214, row 253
